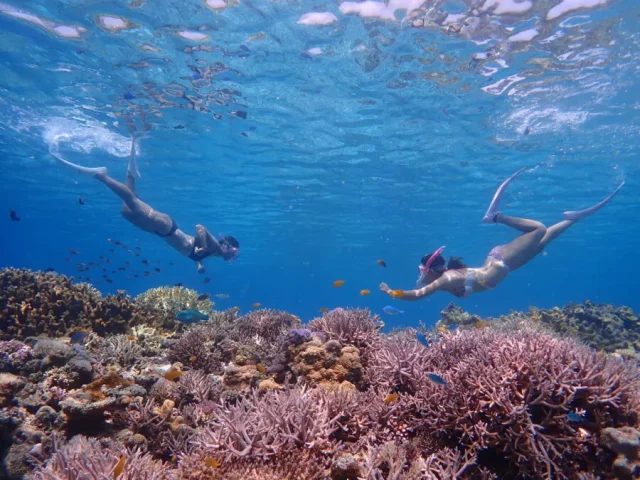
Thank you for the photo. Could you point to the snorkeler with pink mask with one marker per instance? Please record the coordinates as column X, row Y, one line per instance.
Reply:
column 436, row 275
column 203, row 245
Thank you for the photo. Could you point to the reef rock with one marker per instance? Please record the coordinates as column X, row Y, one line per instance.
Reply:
column 625, row 442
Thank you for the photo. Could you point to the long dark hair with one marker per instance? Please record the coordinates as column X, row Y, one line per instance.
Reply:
column 455, row 263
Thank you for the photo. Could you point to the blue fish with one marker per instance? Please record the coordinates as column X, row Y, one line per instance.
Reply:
column 191, row 316
column 453, row 326
column 422, row 339
column 129, row 96
column 575, row 417
column 392, row 310
column 435, row 378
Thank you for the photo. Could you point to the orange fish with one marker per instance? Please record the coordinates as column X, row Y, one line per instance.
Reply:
column 338, row 283
column 236, row 309
column 392, row 397
column 173, row 375
column 397, row 293
column 212, row 462
column 256, row 305
column 193, row 358
column 481, row 324
column 323, row 310
column 119, row 468
column 381, row 263
column 442, row 329
column 260, row 368
column 365, row 292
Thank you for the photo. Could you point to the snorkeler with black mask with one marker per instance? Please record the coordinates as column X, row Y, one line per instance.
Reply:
column 203, row 245
column 461, row 281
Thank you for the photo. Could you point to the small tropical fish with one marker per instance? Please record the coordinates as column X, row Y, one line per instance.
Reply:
column 191, row 316
column 157, row 269
column 442, row 329
column 397, row 293
column 391, row 310
column 145, row 261
column 260, row 368
column 78, row 337
column 204, row 296
column 338, row 283
column 575, row 417
column 193, row 358
column 435, row 378
column 179, row 284
column 73, row 251
column 422, row 339
column 222, row 296
column 13, row 215
column 48, row 269
column 173, row 375
column 235, row 308
column 81, row 200
column 382, row 263
column 256, row 305
column 365, row 292
column 119, row 467
column 109, row 240
column 212, row 462
column 481, row 324
column 323, row 309
column 453, row 326
column 206, row 280
column 392, row 397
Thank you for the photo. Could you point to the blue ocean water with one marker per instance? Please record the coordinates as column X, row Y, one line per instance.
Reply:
column 323, row 148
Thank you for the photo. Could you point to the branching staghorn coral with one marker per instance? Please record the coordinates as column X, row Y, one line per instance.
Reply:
column 120, row 349
column 88, row 459
column 263, row 426
column 510, row 394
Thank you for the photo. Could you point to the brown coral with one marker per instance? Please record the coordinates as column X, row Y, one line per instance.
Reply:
column 319, row 362
column 36, row 303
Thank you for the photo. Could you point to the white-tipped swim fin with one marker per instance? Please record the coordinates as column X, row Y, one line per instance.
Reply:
column 576, row 215
column 495, row 202
column 89, row 171
column 132, row 169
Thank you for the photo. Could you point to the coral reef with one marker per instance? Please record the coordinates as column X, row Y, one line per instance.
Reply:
column 36, row 303
column 263, row 396
column 603, row 327
column 171, row 300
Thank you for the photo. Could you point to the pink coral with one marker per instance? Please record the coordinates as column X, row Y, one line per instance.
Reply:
column 508, row 395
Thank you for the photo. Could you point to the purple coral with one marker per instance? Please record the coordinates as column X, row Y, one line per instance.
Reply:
column 88, row 459
column 508, row 394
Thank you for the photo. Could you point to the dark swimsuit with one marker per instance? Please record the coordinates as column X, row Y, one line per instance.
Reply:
column 174, row 227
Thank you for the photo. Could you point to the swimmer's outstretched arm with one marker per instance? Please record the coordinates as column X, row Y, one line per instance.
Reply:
column 413, row 295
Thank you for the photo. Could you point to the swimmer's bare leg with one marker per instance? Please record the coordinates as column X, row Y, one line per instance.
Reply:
column 553, row 232
column 120, row 189
column 519, row 251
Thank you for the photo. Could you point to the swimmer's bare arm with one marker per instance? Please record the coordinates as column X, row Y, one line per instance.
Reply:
column 443, row 283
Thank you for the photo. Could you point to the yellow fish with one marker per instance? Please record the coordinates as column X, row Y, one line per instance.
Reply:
column 338, row 283
column 119, row 467
column 323, row 310
column 260, row 368
column 236, row 309
column 193, row 358
column 481, row 324
column 212, row 462
column 397, row 293
column 392, row 397
column 256, row 305
column 365, row 292
column 442, row 329
column 173, row 375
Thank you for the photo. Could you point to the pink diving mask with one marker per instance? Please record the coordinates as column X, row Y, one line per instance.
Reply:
column 424, row 269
